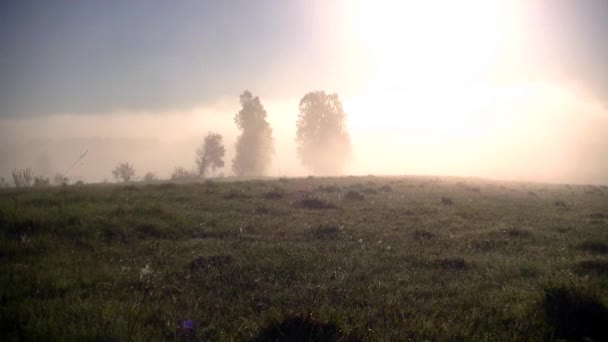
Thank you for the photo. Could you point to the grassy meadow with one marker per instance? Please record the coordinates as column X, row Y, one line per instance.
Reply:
column 351, row 258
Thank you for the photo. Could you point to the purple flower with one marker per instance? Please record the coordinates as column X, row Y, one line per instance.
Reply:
column 187, row 324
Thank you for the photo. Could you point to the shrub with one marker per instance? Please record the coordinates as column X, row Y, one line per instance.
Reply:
column 575, row 315
column 315, row 203
column 354, row 196
column 150, row 177
column 41, row 182
column 275, row 193
column 298, row 328
column 386, row 188
column 446, row 201
column 181, row 174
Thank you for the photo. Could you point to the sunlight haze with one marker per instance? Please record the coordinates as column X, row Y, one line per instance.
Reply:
column 498, row 89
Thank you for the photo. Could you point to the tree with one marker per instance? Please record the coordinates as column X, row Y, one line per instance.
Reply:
column 254, row 147
column 60, row 179
column 123, row 172
column 210, row 154
column 322, row 137
column 23, row 178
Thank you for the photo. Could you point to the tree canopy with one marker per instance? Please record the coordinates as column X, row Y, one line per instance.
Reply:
column 322, row 138
column 254, row 147
column 210, row 155
column 124, row 172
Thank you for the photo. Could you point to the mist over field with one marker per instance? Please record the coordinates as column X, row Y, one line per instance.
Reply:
column 495, row 89
column 560, row 139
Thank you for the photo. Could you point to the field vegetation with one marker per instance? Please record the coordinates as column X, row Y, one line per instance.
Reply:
column 352, row 258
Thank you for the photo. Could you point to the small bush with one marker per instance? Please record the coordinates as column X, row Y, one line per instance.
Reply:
column 597, row 267
column 518, row 233
column 328, row 189
column 385, row 188
column 446, row 201
column 275, row 193
column 594, row 247
column 457, row 264
column 298, row 328
column 315, row 203
column 200, row 263
column 354, row 196
column 422, row 235
column 560, row 204
column 326, row 233
column 574, row 315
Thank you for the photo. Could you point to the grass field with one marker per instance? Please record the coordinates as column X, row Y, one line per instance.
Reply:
column 353, row 258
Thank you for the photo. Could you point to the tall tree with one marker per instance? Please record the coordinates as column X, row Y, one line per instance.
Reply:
column 254, row 147
column 322, row 137
column 210, row 154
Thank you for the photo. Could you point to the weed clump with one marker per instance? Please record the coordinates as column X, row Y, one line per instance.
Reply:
column 385, row 188
column 560, row 204
column 236, row 194
column 594, row 247
column 354, row 196
column 456, row 264
column 574, row 315
column 200, row 263
column 315, row 203
column 518, row 233
column 326, row 233
column 422, row 235
column 598, row 267
column 275, row 193
column 299, row 328
column 328, row 188
column 446, row 201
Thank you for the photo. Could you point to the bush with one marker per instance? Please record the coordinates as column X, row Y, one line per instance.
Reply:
column 275, row 193
column 354, row 196
column 150, row 177
column 315, row 203
column 40, row 182
column 575, row 315
column 446, row 201
column 181, row 174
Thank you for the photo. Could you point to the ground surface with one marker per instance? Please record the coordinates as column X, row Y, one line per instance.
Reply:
column 354, row 258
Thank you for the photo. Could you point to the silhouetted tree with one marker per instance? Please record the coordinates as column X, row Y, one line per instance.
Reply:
column 23, row 177
column 254, row 147
column 322, row 137
column 123, row 172
column 60, row 179
column 210, row 154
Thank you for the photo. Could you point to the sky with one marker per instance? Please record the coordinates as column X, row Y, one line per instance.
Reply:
column 495, row 88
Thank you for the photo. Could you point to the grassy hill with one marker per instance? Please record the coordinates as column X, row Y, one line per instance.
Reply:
column 353, row 258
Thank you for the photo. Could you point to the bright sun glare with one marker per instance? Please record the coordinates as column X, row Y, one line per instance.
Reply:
column 421, row 51
column 426, row 43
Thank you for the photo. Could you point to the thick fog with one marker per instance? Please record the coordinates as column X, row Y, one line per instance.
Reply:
column 547, row 135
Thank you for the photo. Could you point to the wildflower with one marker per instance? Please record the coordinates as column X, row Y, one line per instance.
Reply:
column 187, row 324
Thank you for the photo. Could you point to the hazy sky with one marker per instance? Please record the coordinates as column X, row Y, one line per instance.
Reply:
column 496, row 88
column 104, row 56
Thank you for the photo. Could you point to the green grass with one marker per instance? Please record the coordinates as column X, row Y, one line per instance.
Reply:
column 352, row 258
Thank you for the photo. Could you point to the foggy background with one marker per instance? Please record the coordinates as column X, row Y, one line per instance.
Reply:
column 144, row 82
